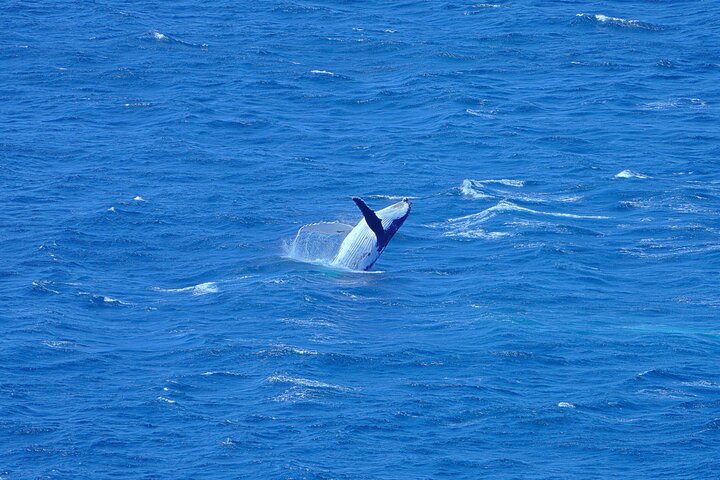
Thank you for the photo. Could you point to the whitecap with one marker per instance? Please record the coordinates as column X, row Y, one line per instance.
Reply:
column 469, row 226
column 43, row 286
column 504, row 181
column 468, row 189
column 566, row 405
column 322, row 72
column 57, row 343
column 282, row 350
column 690, row 103
column 630, row 174
column 305, row 382
column 138, row 198
column 166, row 400
column 102, row 299
column 479, row 113
column 391, row 197
column 618, row 22
column 161, row 37
column 504, row 206
column 199, row 289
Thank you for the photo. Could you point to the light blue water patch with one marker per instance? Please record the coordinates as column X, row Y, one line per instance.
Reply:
column 548, row 310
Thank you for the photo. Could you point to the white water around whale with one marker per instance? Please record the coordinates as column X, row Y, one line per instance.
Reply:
column 318, row 242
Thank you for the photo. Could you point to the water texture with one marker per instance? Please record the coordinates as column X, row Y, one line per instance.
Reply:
column 549, row 309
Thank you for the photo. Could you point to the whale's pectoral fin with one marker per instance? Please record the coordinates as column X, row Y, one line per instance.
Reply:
column 370, row 218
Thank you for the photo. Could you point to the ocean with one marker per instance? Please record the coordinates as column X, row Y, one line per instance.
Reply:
column 550, row 308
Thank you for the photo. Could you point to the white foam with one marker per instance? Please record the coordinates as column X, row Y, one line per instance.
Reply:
column 205, row 288
column 42, row 285
column 390, row 197
column 504, row 181
column 565, row 405
column 479, row 113
column 281, row 350
column 159, row 36
column 57, row 343
column 103, row 298
column 167, row 400
column 322, row 72
column 470, row 226
column 138, row 198
column 605, row 18
column 617, row 21
column 630, row 174
column 468, row 189
column 199, row 289
column 304, row 382
column 224, row 373
column 691, row 103
column 477, row 233
column 505, row 206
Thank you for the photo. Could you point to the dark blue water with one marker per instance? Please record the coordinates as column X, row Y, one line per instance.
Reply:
column 549, row 310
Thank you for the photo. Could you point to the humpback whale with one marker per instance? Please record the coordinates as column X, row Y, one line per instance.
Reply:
column 361, row 248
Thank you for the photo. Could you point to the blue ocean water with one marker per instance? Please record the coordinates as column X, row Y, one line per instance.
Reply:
column 549, row 309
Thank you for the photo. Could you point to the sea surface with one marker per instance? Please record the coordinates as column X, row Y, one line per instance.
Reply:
column 550, row 309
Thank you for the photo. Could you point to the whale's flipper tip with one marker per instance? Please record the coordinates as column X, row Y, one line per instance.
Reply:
column 371, row 218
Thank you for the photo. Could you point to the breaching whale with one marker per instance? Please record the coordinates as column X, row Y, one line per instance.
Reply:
column 361, row 248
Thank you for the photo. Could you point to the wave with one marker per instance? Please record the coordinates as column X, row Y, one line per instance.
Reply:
column 199, row 289
column 304, row 382
column 480, row 113
column 690, row 103
column 161, row 37
column 390, row 197
column 44, row 286
column 102, row 299
column 285, row 350
column 630, row 174
column 486, row 189
column 468, row 226
column 601, row 19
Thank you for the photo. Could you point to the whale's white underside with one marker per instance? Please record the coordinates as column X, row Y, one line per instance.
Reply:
column 360, row 249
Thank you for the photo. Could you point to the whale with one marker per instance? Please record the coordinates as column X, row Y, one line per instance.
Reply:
column 364, row 244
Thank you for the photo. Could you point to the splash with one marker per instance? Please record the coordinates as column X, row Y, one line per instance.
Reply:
column 318, row 242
